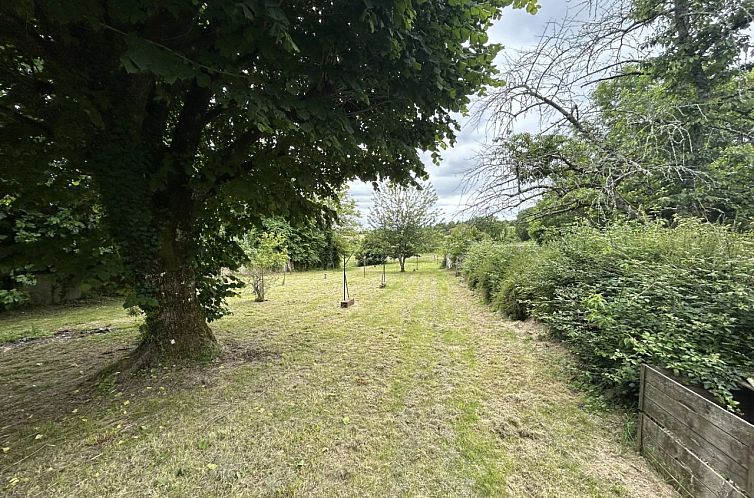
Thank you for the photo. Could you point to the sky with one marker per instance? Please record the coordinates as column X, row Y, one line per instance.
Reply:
column 515, row 30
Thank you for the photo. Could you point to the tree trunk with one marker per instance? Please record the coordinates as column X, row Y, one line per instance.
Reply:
column 176, row 330
column 260, row 288
column 164, row 274
column 153, row 218
column 402, row 263
column 697, row 133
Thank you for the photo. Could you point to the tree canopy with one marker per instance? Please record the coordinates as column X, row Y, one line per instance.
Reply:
column 400, row 217
column 193, row 120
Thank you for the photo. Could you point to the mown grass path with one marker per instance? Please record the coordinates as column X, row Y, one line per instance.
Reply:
column 418, row 390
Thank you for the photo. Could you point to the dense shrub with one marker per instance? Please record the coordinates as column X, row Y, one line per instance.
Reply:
column 679, row 298
column 496, row 269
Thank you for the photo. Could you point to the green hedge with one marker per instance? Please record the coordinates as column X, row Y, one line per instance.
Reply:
column 680, row 298
column 494, row 269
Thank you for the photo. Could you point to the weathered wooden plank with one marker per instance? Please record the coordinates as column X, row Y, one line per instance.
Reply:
column 728, row 422
column 639, row 429
column 692, row 475
column 750, row 488
column 721, row 440
column 709, row 432
column 670, row 468
column 716, row 458
column 642, row 383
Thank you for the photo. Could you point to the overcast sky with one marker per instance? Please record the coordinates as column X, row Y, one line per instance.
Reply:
column 516, row 29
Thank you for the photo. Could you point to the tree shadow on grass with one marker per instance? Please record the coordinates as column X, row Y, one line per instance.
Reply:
column 46, row 380
column 41, row 380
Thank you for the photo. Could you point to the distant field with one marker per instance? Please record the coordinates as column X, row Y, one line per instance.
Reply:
column 418, row 390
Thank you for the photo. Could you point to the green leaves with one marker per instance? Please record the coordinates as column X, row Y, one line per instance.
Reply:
column 266, row 254
column 400, row 217
column 169, row 66
column 629, row 135
column 681, row 299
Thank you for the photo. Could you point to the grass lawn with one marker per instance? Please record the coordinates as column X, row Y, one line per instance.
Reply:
column 418, row 390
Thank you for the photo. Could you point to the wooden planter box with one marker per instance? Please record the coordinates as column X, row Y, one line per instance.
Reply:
column 706, row 450
column 347, row 304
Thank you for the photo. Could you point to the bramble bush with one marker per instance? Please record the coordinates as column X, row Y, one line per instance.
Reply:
column 680, row 298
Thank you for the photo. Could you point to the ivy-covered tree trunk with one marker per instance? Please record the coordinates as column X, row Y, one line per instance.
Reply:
column 177, row 327
column 155, row 232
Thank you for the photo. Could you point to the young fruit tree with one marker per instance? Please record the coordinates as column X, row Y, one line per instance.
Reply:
column 195, row 120
column 346, row 238
column 401, row 216
column 267, row 256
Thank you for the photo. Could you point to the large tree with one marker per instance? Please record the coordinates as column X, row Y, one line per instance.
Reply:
column 401, row 216
column 642, row 103
column 194, row 119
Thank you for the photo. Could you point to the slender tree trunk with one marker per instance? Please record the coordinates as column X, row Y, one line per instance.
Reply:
column 260, row 293
column 682, row 10
column 402, row 263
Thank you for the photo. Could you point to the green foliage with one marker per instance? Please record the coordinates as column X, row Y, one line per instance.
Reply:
column 458, row 237
column 496, row 269
column 372, row 250
column 15, row 294
column 266, row 255
column 306, row 242
column 401, row 218
column 728, row 195
column 663, row 136
column 494, row 228
column 346, row 234
column 319, row 240
column 681, row 298
column 659, row 133
column 60, row 235
column 541, row 224
column 458, row 241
